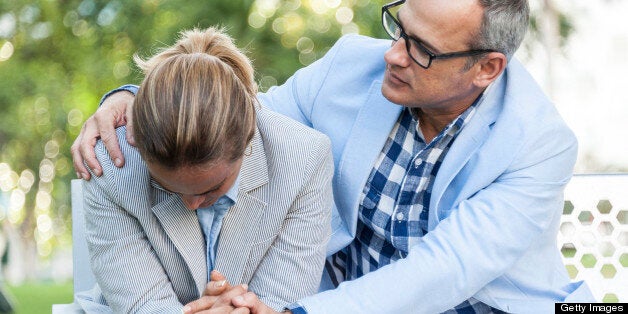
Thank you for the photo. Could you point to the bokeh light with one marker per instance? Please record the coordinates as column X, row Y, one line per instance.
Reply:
column 256, row 20
column 75, row 117
column 16, row 204
column 121, row 70
column 266, row 8
column 332, row 3
column 26, row 180
column 43, row 200
column 305, row 45
column 41, row 30
column 344, row 15
column 51, row 150
column 46, row 170
column 6, row 51
column 8, row 178
column 7, row 25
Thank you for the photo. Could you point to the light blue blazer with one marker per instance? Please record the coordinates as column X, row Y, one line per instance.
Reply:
column 496, row 202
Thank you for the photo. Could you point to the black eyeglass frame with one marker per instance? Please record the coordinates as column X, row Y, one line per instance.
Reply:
column 431, row 55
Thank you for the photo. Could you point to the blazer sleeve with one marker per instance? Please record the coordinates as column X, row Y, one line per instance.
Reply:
column 480, row 240
column 297, row 96
column 293, row 265
column 123, row 261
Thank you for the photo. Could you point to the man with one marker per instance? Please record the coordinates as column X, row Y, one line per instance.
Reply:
column 450, row 165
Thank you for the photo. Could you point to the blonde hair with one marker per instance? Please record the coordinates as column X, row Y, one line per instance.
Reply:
column 196, row 103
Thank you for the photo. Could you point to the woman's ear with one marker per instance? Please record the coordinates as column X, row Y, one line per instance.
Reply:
column 490, row 67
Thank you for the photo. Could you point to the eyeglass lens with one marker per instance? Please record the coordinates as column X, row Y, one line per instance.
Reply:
column 394, row 30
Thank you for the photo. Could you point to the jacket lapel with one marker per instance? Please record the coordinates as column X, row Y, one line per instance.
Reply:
column 182, row 227
column 369, row 134
column 471, row 137
column 240, row 222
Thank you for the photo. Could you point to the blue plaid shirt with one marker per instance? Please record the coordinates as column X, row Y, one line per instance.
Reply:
column 395, row 202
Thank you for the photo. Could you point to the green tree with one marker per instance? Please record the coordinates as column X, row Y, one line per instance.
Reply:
column 58, row 57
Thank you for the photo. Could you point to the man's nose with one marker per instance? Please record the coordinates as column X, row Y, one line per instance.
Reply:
column 397, row 55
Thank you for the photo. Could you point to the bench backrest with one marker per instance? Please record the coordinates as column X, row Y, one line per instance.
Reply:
column 593, row 236
column 82, row 272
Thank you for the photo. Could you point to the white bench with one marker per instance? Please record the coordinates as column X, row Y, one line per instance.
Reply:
column 593, row 236
column 82, row 274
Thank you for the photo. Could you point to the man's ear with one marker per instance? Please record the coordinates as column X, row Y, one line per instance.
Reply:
column 489, row 68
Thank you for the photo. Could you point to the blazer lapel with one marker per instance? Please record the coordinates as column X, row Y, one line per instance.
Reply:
column 236, row 234
column 471, row 137
column 182, row 227
column 369, row 134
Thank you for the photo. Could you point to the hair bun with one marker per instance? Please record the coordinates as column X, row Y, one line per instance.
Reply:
column 211, row 41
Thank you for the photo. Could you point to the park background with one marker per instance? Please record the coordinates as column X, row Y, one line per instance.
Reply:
column 58, row 57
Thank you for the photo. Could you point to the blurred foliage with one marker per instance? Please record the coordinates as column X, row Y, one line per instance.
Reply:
column 564, row 25
column 58, row 57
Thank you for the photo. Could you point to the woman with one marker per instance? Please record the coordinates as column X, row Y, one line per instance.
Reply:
column 216, row 182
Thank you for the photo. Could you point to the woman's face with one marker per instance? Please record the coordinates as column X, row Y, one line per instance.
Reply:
column 198, row 186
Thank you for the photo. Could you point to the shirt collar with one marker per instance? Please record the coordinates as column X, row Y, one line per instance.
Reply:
column 454, row 126
column 232, row 193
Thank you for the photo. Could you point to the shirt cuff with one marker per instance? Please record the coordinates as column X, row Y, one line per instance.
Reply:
column 296, row 308
column 129, row 88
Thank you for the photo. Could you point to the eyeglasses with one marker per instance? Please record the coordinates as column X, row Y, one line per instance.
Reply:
column 416, row 50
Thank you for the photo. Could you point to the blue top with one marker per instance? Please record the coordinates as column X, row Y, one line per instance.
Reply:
column 210, row 219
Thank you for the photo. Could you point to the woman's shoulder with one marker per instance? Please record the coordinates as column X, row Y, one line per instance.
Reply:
column 293, row 151
column 275, row 126
column 282, row 133
column 134, row 168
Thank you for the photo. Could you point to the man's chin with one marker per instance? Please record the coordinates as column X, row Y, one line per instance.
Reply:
column 391, row 94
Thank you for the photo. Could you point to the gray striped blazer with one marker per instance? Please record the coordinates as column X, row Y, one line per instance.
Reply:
column 147, row 249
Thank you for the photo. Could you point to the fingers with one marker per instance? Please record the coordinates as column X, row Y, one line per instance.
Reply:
column 105, row 121
column 217, row 285
column 130, row 132
column 77, row 160
column 114, row 112
column 101, row 125
column 241, row 310
column 205, row 302
column 225, row 298
column 85, row 144
column 226, row 309
column 216, row 276
column 251, row 301
column 215, row 288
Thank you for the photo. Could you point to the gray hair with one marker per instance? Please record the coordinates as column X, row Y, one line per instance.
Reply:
column 504, row 25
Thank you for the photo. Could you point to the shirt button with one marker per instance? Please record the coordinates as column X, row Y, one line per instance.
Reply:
column 399, row 216
column 418, row 162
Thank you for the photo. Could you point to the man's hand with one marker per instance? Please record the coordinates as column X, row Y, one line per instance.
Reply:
column 217, row 297
column 114, row 112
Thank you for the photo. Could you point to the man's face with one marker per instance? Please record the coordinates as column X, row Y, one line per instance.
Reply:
column 442, row 27
column 198, row 186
